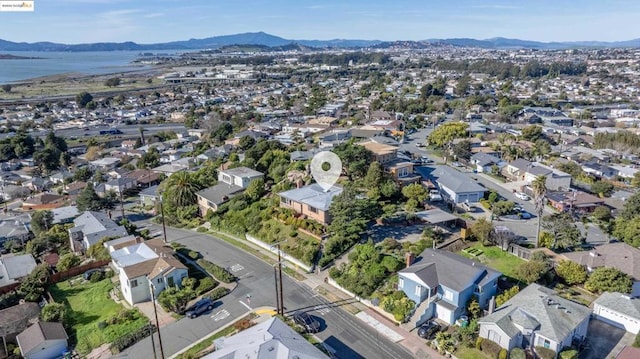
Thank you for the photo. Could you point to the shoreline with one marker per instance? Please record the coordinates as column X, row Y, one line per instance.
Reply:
column 75, row 76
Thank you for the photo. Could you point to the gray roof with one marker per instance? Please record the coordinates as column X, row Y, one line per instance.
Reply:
column 621, row 303
column 272, row 339
column 150, row 191
column 17, row 266
column 219, row 193
column 12, row 228
column 32, row 337
column 435, row 216
column 313, row 195
column 15, row 319
column 455, row 180
column 620, row 255
column 242, row 172
column 96, row 225
column 64, row 213
column 553, row 316
column 449, row 269
column 520, row 164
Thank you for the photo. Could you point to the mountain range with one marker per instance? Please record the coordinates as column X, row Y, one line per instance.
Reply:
column 264, row 39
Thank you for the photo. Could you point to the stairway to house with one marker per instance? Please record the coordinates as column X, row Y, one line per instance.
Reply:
column 411, row 323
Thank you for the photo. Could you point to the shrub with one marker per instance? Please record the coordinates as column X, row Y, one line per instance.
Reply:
column 127, row 340
column 216, row 271
column 325, row 260
column 569, row 353
column 490, row 347
column 206, row 285
column 545, row 353
column 242, row 324
column 96, row 276
column 194, row 255
column 517, row 353
column 502, row 354
column 479, row 343
column 54, row 312
column 636, row 342
column 102, row 324
column 190, row 283
column 219, row 293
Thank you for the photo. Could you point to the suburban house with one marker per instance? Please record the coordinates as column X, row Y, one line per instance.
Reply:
column 43, row 340
column 574, row 200
column 105, row 164
column 15, row 319
column 516, row 170
column 402, row 172
column 556, row 180
column 381, row 153
column 43, row 202
column 15, row 267
column 120, row 185
column 456, row 187
column 536, row 316
column 441, row 284
column 90, row 227
column 230, row 182
column 600, row 170
column 619, row 310
column 311, row 201
column 15, row 229
column 142, row 266
column 620, row 255
column 239, row 176
column 149, row 196
column 270, row 339
column 64, row 215
column 484, row 162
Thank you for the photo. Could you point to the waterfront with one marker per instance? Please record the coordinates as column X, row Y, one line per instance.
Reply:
column 52, row 63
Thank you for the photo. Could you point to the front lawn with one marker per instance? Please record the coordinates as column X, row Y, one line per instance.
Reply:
column 470, row 353
column 89, row 304
column 495, row 258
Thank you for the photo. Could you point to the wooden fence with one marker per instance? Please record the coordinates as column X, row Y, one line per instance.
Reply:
column 72, row 272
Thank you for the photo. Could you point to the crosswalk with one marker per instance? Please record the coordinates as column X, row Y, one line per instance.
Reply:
column 322, row 309
column 237, row 267
column 220, row 315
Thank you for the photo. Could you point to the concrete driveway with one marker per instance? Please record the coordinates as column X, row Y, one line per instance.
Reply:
column 604, row 340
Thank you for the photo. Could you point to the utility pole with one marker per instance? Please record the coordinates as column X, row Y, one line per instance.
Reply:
column 155, row 312
column 278, row 278
column 275, row 277
column 164, row 228
column 280, row 275
column 121, row 201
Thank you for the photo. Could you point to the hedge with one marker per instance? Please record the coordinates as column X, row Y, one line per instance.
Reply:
column 128, row 340
column 206, row 284
column 216, row 271
column 545, row 353
column 503, row 354
column 490, row 347
column 517, row 353
column 569, row 353
column 219, row 293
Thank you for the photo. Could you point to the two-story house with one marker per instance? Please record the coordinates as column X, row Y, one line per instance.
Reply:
column 311, row 201
column 90, row 227
column 381, row 153
column 536, row 317
column 230, row 182
column 402, row 172
column 441, row 284
column 143, row 267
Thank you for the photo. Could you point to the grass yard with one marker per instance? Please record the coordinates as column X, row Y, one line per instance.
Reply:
column 470, row 353
column 495, row 257
column 297, row 244
column 89, row 304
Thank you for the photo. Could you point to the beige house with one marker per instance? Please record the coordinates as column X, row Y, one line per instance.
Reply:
column 311, row 201
column 381, row 153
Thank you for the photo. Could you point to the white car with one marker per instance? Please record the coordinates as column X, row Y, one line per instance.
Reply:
column 522, row 196
column 435, row 196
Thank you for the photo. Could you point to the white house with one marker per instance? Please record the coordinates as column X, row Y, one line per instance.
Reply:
column 456, row 186
column 239, row 176
column 536, row 316
column 619, row 310
column 90, row 227
column 143, row 267
column 43, row 340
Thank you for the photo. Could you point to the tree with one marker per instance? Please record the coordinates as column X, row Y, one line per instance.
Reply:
column 149, row 159
column 462, row 150
column 416, row 194
column 246, row 142
column 67, row 261
column 628, row 230
column 98, row 251
column 502, row 208
column 180, row 189
column 481, row 230
column 631, row 207
column 608, row 279
column 7, row 88
column 255, row 189
column 531, row 271
column 41, row 221
column 54, row 312
column 532, row 133
column 82, row 174
column 88, row 199
column 563, row 229
column 635, row 181
column 602, row 188
column 83, row 98
column 373, row 179
column 571, row 272
column 473, row 308
column 447, row 132
column 539, row 186
column 112, row 82
column 32, row 286
column 355, row 159
column 506, row 295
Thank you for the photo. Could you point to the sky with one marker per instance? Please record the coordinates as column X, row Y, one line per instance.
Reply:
column 152, row 21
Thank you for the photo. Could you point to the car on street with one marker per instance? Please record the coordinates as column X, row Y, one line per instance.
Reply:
column 522, row 196
column 426, row 160
column 201, row 306
column 306, row 321
column 429, row 330
column 456, row 164
column 524, row 215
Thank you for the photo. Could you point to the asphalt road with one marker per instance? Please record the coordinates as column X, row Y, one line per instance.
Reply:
column 344, row 333
column 127, row 131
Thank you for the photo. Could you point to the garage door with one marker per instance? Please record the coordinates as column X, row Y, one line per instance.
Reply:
column 443, row 313
column 618, row 320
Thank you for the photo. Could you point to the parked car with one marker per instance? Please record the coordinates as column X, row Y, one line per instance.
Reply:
column 522, row 196
column 201, row 306
column 87, row 275
column 429, row 330
column 525, row 215
column 435, row 196
column 306, row 321
column 468, row 207
column 426, row 160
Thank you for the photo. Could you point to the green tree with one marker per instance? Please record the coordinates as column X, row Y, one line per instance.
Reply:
column 539, row 186
column 255, row 189
column 98, row 251
column 82, row 174
column 602, row 188
column 481, row 230
column 571, row 272
column 635, row 181
column 532, row 133
column 447, row 132
column 373, row 179
column 608, row 279
column 67, row 261
column 23, row 144
column 531, row 271
column 355, row 159
column 462, row 150
column 41, row 221
column 473, row 308
column 416, row 194
column 88, row 199
column 149, row 159
column 563, row 229
column 631, row 207
column 180, row 189
column 246, row 142
column 54, row 312
column 32, row 286
column 628, row 230
column 506, row 295
column 502, row 208
column 83, row 98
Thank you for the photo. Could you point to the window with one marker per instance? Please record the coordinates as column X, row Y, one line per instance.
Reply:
column 313, row 209
column 418, row 290
column 400, row 282
column 133, row 283
column 546, row 344
column 171, row 282
column 159, row 280
column 448, row 295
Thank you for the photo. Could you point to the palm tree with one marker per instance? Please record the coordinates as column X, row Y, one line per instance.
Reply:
column 181, row 188
column 539, row 186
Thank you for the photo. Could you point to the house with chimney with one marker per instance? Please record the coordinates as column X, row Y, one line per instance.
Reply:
column 441, row 284
column 536, row 317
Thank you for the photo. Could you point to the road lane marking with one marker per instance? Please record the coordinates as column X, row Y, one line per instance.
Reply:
column 321, row 309
column 245, row 304
column 237, row 267
column 220, row 315
column 266, row 311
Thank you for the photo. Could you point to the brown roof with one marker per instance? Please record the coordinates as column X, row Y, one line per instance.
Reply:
column 16, row 319
column 629, row 353
column 76, row 186
column 143, row 176
column 378, row 148
column 155, row 266
column 621, row 256
column 46, row 198
column 33, row 336
column 51, row 259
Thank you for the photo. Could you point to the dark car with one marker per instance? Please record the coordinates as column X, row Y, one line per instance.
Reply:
column 428, row 330
column 307, row 322
column 201, row 306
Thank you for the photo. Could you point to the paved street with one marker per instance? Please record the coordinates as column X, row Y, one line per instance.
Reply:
column 344, row 333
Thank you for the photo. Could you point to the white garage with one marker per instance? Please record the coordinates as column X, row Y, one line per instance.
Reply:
column 444, row 312
column 620, row 310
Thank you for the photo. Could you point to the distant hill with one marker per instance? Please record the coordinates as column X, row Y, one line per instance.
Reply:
column 264, row 48
column 272, row 41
